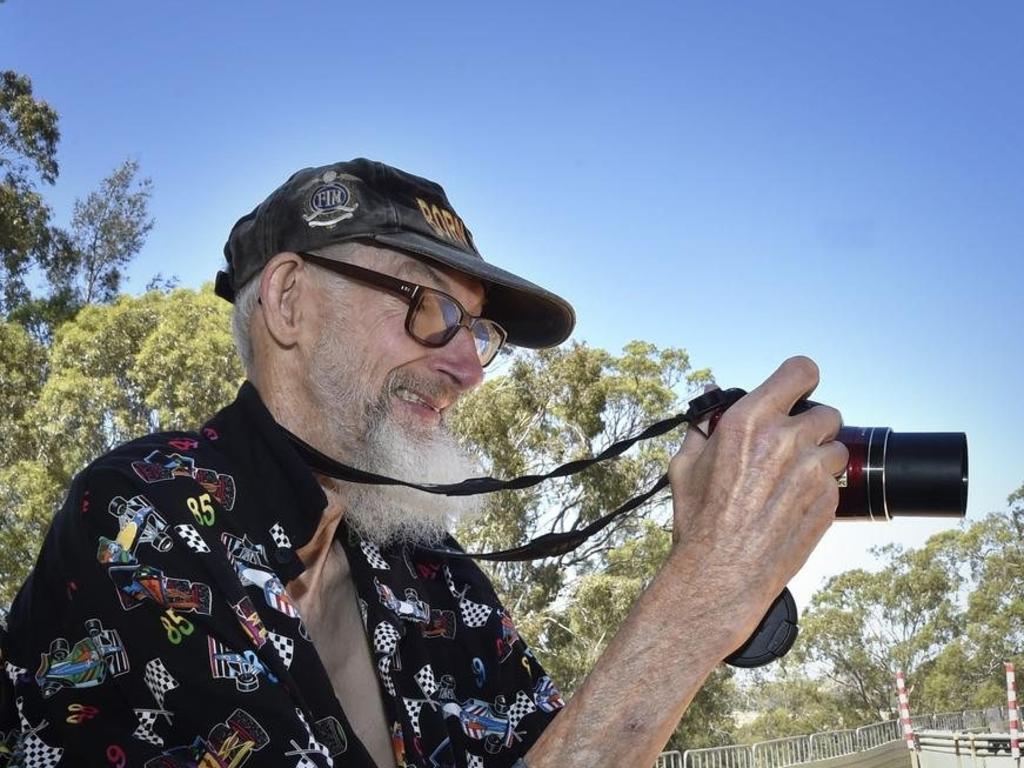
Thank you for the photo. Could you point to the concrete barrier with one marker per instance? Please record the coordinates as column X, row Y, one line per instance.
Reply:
column 945, row 749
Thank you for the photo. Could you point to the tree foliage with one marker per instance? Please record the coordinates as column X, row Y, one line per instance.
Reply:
column 559, row 405
column 117, row 371
column 789, row 702
column 84, row 264
column 79, row 265
column 948, row 614
column 865, row 626
column 108, row 228
column 28, row 156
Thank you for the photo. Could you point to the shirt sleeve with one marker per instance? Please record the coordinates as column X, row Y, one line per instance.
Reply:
column 121, row 650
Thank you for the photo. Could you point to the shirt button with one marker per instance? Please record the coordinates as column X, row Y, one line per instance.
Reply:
column 283, row 555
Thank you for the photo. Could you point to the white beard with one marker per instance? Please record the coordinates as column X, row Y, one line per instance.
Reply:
column 377, row 442
column 389, row 514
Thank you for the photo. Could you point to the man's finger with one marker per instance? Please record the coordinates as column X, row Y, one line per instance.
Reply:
column 822, row 423
column 697, row 434
column 693, row 441
column 791, row 382
column 836, row 457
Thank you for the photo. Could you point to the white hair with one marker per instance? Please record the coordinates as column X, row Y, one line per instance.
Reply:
column 247, row 298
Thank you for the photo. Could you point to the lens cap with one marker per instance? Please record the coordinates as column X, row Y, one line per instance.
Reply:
column 773, row 637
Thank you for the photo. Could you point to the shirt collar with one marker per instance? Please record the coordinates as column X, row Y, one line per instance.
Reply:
column 278, row 492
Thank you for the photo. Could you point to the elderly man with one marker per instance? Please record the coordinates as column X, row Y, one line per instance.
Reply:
column 209, row 599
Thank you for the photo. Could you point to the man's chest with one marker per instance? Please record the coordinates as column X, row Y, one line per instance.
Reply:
column 329, row 605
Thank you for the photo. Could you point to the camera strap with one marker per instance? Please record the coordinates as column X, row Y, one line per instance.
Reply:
column 548, row 544
column 771, row 640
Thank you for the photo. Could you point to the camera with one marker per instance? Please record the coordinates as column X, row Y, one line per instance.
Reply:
column 889, row 474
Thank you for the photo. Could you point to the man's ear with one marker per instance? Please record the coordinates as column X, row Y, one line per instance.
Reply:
column 285, row 291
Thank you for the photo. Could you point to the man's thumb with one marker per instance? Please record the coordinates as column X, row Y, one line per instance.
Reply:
column 696, row 434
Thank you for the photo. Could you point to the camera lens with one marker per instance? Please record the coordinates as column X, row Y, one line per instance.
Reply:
column 910, row 474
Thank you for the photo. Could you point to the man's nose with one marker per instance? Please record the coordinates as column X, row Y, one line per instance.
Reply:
column 458, row 359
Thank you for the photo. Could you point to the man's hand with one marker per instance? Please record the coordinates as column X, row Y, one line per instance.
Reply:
column 752, row 501
column 750, row 504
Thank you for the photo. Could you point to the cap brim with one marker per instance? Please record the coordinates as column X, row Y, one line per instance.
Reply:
column 531, row 316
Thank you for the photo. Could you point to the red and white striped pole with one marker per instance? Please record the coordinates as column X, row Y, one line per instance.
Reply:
column 1012, row 712
column 908, row 729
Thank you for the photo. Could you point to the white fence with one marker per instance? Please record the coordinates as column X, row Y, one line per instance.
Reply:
column 779, row 753
column 671, row 759
column 797, row 750
column 834, row 743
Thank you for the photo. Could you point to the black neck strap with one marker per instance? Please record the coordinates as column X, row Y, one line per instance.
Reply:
column 549, row 544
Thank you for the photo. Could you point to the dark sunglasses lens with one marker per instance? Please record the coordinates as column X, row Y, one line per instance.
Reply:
column 435, row 319
column 487, row 340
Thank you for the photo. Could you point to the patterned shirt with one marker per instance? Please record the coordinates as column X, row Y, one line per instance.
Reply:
column 155, row 629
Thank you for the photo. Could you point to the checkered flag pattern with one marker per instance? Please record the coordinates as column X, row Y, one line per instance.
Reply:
column 474, row 615
column 25, row 726
column 474, row 761
column 384, row 670
column 193, row 540
column 373, row 556
column 385, row 642
column 146, row 730
column 285, row 648
column 425, row 680
column 37, row 753
column 159, row 680
column 413, row 708
column 521, row 708
column 428, row 684
column 312, row 747
column 385, row 638
column 279, row 536
column 450, row 581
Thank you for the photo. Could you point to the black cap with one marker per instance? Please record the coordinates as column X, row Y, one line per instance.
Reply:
column 367, row 200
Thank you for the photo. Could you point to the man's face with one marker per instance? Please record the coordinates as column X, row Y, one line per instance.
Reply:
column 384, row 397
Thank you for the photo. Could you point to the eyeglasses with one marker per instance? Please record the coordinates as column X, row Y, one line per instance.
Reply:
column 434, row 317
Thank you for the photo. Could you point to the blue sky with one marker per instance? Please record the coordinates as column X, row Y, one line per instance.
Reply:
column 747, row 181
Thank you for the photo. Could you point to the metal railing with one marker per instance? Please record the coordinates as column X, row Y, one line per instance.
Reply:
column 917, row 722
column 794, row 750
column 877, row 734
column 974, row 718
column 733, row 756
column 833, row 743
column 949, row 721
column 673, row 759
column 779, row 753
column 973, row 744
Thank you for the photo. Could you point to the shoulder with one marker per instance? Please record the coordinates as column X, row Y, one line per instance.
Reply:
column 140, row 481
column 155, row 457
column 152, row 464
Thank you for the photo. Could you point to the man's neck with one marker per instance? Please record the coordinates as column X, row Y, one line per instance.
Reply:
column 293, row 406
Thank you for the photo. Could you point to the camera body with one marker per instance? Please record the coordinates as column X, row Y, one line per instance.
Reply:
column 888, row 475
